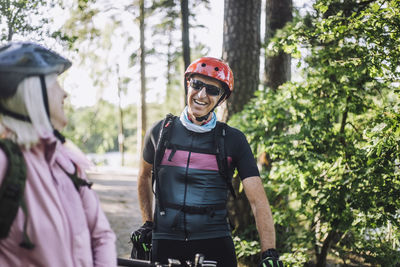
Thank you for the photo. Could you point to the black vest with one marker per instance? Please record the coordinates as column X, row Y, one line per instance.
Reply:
column 194, row 194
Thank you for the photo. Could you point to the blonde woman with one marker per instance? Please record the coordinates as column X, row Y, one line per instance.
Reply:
column 57, row 220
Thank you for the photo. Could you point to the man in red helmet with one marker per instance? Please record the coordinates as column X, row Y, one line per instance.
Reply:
column 192, row 168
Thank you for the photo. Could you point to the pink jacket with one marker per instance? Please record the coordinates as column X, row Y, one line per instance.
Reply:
column 68, row 228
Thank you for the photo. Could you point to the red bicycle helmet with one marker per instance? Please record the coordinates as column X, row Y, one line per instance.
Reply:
column 214, row 68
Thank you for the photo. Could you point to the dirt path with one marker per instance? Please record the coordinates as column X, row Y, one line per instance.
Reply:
column 117, row 192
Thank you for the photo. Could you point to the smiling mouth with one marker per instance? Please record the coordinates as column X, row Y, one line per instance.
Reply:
column 199, row 102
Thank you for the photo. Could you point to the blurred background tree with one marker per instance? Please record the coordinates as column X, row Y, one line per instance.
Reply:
column 16, row 17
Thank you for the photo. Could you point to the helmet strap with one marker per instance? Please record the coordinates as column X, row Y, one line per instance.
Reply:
column 46, row 105
column 14, row 115
column 203, row 118
column 24, row 117
column 44, row 94
column 59, row 136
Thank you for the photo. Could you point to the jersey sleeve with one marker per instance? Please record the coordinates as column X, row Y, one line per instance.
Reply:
column 242, row 156
column 150, row 141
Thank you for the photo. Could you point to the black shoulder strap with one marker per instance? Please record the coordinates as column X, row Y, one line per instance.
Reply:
column 222, row 157
column 163, row 138
column 12, row 191
column 76, row 180
column 162, row 142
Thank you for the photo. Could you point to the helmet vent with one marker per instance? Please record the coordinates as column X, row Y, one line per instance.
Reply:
column 203, row 64
column 216, row 69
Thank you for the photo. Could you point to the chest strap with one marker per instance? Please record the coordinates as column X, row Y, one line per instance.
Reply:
column 210, row 210
column 196, row 209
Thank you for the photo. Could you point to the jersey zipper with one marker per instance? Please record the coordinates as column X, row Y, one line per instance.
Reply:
column 185, row 194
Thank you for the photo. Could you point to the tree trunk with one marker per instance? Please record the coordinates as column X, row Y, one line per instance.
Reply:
column 277, row 69
column 169, row 66
column 241, row 50
column 321, row 257
column 185, row 36
column 10, row 33
column 121, row 137
column 142, row 96
column 10, row 19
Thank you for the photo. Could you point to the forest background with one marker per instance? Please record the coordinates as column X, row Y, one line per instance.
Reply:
column 316, row 93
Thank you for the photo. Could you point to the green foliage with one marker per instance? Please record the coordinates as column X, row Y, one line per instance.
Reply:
column 297, row 259
column 333, row 139
column 246, row 248
column 17, row 17
column 80, row 25
column 94, row 129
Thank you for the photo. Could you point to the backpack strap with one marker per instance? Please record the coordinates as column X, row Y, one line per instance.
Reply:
column 162, row 142
column 13, row 187
column 222, row 159
column 12, row 191
column 78, row 182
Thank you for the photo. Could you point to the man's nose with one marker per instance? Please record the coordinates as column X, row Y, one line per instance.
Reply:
column 202, row 92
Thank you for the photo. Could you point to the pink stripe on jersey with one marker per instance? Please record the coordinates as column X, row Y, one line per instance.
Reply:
column 198, row 161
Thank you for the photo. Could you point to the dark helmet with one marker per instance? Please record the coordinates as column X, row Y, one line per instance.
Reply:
column 20, row 60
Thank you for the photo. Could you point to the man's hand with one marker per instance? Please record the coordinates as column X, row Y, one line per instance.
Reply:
column 270, row 258
column 143, row 234
column 141, row 239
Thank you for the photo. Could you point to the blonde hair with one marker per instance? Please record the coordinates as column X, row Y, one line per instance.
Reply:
column 28, row 101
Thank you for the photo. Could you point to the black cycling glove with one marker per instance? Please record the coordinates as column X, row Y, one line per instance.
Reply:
column 141, row 239
column 270, row 258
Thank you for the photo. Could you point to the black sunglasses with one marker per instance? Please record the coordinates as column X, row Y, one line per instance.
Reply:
column 210, row 89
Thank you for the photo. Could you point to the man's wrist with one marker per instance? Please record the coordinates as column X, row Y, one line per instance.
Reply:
column 148, row 224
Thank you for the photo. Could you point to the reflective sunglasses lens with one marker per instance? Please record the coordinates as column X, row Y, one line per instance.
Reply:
column 210, row 89
column 197, row 85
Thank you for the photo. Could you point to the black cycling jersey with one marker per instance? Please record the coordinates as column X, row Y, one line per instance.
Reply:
column 237, row 149
column 194, row 193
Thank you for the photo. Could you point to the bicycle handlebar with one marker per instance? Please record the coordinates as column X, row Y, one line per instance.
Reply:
column 198, row 262
column 134, row 263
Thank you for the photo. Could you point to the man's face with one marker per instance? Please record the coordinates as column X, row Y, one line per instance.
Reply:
column 200, row 102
